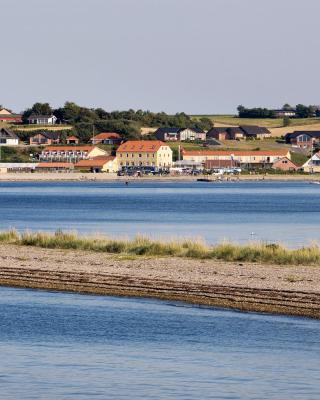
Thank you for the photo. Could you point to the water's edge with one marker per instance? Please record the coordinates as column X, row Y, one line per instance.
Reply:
column 283, row 302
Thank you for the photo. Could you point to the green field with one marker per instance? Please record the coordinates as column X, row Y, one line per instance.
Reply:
column 267, row 122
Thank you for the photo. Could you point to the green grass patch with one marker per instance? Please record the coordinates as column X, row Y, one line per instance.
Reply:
column 143, row 246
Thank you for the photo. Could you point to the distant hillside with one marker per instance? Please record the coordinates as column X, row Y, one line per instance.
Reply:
column 233, row 120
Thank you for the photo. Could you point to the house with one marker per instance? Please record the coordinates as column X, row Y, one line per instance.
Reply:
column 303, row 139
column 54, row 166
column 221, row 164
column 255, row 132
column 17, row 167
column 45, row 138
column 144, row 153
column 107, row 138
column 284, row 164
column 313, row 164
column 237, row 133
column 245, row 158
column 42, row 119
column 70, row 153
column 72, row 140
column 218, row 133
column 291, row 113
column 191, row 134
column 98, row 164
column 167, row 134
column 7, row 116
column 8, row 138
column 180, row 134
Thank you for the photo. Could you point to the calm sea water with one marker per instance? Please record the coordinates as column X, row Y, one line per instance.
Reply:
column 69, row 346
column 286, row 212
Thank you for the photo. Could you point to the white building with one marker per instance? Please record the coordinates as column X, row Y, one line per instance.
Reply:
column 42, row 119
column 8, row 138
column 313, row 164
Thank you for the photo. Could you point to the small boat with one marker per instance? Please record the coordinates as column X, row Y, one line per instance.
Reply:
column 204, row 180
column 315, row 182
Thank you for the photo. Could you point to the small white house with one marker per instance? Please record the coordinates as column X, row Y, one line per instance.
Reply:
column 313, row 164
column 8, row 138
column 42, row 119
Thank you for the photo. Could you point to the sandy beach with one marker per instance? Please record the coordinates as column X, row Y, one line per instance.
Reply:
column 292, row 290
column 109, row 177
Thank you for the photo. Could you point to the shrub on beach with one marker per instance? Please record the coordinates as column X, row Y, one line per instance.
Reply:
column 143, row 246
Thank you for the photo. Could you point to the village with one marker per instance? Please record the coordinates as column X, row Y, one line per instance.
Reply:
column 161, row 151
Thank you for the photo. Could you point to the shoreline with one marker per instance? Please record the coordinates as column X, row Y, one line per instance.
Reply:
column 288, row 290
column 109, row 177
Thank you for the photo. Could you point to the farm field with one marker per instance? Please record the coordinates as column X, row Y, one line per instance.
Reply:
column 232, row 120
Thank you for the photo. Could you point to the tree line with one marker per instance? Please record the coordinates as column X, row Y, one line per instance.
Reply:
column 86, row 121
column 301, row 111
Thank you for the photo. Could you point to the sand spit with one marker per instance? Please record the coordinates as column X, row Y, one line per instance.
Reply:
column 292, row 290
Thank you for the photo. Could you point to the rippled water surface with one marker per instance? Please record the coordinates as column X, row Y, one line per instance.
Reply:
column 288, row 212
column 70, row 346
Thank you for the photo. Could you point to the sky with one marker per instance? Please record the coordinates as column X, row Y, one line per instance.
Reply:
column 196, row 56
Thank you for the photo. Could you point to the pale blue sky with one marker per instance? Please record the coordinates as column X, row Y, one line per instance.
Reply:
column 197, row 56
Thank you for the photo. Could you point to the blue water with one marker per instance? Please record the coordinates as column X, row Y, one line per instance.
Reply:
column 70, row 346
column 287, row 212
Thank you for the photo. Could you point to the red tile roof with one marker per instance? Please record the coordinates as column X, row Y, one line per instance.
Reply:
column 72, row 138
column 107, row 135
column 55, row 165
column 95, row 162
column 143, row 146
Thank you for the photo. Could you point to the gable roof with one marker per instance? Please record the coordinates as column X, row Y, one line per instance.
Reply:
column 37, row 116
column 217, row 130
column 168, row 130
column 143, row 146
column 293, row 135
column 251, row 130
column 7, row 134
column 49, row 135
column 106, row 135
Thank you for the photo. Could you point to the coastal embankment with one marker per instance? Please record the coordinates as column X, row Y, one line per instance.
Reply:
column 110, row 177
column 246, row 286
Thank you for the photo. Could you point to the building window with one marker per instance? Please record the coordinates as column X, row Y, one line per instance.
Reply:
column 140, row 155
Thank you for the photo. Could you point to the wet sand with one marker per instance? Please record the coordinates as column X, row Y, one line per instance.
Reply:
column 291, row 290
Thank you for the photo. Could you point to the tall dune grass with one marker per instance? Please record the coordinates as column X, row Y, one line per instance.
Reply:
column 143, row 246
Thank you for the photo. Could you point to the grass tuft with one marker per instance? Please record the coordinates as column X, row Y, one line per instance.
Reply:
column 144, row 246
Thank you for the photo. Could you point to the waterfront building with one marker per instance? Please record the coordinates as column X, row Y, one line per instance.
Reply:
column 98, row 164
column 245, row 158
column 70, row 153
column 284, row 164
column 135, row 153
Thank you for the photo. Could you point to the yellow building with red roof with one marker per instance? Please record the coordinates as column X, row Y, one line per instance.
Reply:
column 137, row 153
